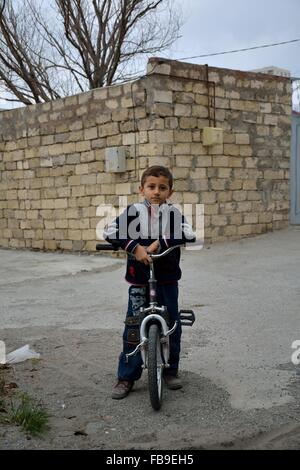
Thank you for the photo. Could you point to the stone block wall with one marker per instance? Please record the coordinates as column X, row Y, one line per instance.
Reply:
column 244, row 183
column 52, row 155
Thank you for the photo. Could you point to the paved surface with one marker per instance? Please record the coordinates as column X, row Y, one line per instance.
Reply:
column 246, row 296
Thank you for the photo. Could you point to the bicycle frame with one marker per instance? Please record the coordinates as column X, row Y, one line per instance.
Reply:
column 154, row 315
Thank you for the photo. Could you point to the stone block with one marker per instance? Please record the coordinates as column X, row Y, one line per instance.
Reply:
column 244, row 230
column 166, row 136
column 245, row 206
column 220, row 161
column 78, row 191
column 225, row 196
column 74, row 234
column 239, row 195
column 235, row 162
column 82, row 169
column 242, row 139
column 250, row 185
column 61, row 203
column 123, row 188
column 271, row 120
column 76, row 136
column 185, row 161
column 198, row 149
column 130, row 138
column 88, row 179
column 218, row 184
column 231, row 150
column 37, row 244
column 108, row 129
column 199, row 185
column 89, row 234
column 246, row 151
column 66, row 245
column 74, row 180
column 188, row 123
column 61, row 224
column 84, row 146
column 219, row 220
column 190, row 198
column 208, row 197
column 183, row 110
column 224, row 172
column 273, row 174
column 48, row 204
column 150, row 150
column 199, row 111
column 265, row 217
column 251, row 218
column 162, row 96
column 126, row 103
column 203, row 161
column 210, row 209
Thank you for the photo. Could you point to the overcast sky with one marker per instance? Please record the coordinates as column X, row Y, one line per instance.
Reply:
column 219, row 25
column 211, row 26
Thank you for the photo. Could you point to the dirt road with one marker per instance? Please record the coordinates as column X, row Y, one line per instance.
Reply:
column 241, row 389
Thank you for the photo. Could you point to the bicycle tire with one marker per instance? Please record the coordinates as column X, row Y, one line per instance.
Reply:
column 155, row 367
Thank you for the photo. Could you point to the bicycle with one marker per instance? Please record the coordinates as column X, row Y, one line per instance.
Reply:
column 154, row 332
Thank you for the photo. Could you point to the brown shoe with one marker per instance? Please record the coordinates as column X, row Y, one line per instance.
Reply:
column 121, row 389
column 172, row 382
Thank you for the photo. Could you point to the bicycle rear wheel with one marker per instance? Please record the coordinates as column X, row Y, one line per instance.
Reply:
column 155, row 367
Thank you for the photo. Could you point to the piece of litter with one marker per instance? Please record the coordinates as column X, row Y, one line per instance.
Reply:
column 2, row 353
column 21, row 354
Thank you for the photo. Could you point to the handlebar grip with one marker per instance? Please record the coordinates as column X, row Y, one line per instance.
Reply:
column 102, row 247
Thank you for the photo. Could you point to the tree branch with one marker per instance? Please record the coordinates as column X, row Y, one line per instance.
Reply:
column 78, row 44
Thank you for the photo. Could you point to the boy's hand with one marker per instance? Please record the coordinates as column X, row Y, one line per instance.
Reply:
column 153, row 247
column 141, row 255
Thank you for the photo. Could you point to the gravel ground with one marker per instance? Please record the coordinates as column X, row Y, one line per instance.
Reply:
column 241, row 389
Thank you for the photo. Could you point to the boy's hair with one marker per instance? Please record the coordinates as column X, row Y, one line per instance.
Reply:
column 157, row 171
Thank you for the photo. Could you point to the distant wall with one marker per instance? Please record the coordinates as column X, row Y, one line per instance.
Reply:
column 52, row 171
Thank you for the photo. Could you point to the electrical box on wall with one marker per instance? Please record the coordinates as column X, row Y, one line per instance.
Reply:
column 115, row 160
column 212, row 136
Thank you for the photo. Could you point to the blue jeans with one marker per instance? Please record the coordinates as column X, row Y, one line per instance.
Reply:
column 167, row 294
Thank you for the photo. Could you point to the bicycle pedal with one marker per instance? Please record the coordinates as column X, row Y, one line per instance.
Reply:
column 187, row 317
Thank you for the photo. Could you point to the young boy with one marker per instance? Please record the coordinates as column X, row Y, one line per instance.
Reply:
column 143, row 228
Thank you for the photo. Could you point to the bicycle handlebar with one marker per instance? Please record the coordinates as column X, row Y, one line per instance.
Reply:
column 102, row 247
column 164, row 253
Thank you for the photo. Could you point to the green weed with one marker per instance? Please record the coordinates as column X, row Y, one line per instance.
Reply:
column 29, row 414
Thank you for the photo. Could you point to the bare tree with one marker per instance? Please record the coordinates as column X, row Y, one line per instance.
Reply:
column 2, row 5
column 59, row 47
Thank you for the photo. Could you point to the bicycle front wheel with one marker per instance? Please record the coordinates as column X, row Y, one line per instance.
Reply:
column 155, row 367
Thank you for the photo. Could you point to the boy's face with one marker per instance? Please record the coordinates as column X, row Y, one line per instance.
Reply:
column 156, row 189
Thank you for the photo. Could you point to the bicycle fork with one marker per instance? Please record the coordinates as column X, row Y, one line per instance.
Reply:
column 144, row 328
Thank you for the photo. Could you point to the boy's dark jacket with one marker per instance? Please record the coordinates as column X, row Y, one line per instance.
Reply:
column 142, row 224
